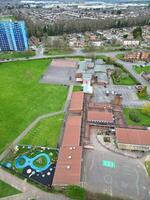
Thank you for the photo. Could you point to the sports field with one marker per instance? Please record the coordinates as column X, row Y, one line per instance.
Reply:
column 23, row 98
column 46, row 133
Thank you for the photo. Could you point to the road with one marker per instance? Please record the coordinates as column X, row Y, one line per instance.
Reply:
column 40, row 55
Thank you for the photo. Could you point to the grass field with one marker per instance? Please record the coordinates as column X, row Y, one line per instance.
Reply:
column 46, row 133
column 144, row 119
column 10, row 55
column 147, row 165
column 23, row 98
column 139, row 69
column 7, row 190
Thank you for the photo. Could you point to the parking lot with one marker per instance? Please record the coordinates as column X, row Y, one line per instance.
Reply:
column 129, row 95
column 108, row 172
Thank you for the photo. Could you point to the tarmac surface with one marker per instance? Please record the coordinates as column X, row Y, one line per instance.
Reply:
column 122, row 176
column 59, row 75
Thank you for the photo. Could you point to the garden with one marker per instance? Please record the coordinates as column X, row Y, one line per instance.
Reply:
column 120, row 77
column 137, row 117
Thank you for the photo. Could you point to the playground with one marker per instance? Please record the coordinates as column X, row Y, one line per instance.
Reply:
column 36, row 163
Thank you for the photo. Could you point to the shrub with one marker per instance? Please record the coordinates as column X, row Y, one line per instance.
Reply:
column 146, row 109
column 134, row 117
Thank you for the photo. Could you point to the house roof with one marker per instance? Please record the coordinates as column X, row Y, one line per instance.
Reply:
column 64, row 63
column 68, row 168
column 100, row 116
column 76, row 103
column 72, row 131
column 133, row 136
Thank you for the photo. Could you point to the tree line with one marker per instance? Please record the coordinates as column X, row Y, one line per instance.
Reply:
column 79, row 25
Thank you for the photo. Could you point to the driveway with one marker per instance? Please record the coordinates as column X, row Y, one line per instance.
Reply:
column 126, row 177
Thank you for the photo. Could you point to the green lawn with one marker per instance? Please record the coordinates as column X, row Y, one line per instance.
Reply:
column 46, row 133
column 57, row 51
column 7, row 190
column 10, row 55
column 120, row 56
column 23, row 98
column 124, row 80
column 139, row 69
column 144, row 119
column 77, row 88
column 75, row 192
column 147, row 165
column 103, row 49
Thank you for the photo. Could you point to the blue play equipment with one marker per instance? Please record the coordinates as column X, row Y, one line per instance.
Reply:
column 29, row 162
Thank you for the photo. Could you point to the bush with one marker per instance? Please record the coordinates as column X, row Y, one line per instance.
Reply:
column 75, row 192
column 134, row 117
column 146, row 109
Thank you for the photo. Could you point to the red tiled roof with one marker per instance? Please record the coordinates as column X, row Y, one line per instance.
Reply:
column 76, row 102
column 72, row 131
column 64, row 63
column 68, row 168
column 133, row 136
column 100, row 116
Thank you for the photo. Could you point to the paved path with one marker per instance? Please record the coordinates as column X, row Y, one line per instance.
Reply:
column 33, row 124
column 28, row 191
column 68, row 98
